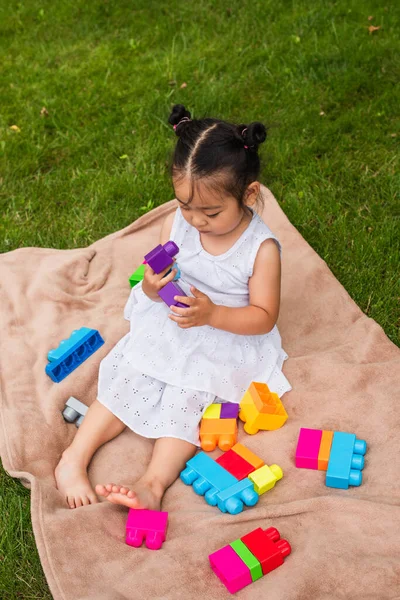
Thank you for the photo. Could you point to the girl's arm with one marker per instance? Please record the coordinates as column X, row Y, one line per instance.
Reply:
column 264, row 299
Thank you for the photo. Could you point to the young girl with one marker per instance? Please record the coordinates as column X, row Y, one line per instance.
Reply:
column 159, row 378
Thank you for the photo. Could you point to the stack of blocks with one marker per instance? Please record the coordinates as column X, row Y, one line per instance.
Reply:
column 235, row 479
column 340, row 454
column 219, row 427
column 249, row 558
column 261, row 409
column 161, row 257
column 72, row 352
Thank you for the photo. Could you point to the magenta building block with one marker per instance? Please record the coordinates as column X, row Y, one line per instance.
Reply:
column 168, row 292
column 161, row 257
column 229, row 410
column 308, row 448
column 230, row 569
column 148, row 525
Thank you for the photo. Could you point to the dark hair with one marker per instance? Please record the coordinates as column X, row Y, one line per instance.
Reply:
column 208, row 147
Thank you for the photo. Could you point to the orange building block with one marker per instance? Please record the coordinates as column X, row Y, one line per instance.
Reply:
column 261, row 409
column 248, row 455
column 221, row 432
column 325, row 450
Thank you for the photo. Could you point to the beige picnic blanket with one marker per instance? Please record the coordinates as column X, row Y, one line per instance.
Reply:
column 345, row 375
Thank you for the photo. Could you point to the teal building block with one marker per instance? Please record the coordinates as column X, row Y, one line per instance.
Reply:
column 346, row 461
column 72, row 352
column 232, row 499
column 206, row 477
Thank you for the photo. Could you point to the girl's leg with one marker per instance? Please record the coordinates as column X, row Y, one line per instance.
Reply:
column 168, row 460
column 98, row 427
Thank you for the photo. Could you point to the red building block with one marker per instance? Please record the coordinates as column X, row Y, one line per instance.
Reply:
column 267, row 547
column 235, row 464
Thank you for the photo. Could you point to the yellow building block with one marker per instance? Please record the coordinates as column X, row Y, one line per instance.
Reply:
column 212, row 412
column 261, row 409
column 265, row 478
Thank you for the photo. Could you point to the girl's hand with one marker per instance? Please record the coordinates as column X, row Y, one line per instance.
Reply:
column 199, row 313
column 153, row 282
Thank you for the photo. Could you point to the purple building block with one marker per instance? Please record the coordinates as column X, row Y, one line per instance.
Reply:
column 229, row 410
column 168, row 292
column 161, row 257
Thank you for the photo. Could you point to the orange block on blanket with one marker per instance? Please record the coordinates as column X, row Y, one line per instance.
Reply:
column 221, row 432
column 325, row 450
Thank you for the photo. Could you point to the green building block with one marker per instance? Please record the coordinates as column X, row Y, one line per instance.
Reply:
column 137, row 276
column 248, row 558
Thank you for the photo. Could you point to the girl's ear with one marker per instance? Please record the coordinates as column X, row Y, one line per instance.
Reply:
column 252, row 193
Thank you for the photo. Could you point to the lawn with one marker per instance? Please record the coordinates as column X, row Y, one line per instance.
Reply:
column 85, row 94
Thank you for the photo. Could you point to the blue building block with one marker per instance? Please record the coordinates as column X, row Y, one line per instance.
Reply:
column 232, row 499
column 346, row 461
column 72, row 352
column 207, row 477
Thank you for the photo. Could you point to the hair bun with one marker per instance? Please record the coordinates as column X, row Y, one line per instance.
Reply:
column 177, row 114
column 255, row 135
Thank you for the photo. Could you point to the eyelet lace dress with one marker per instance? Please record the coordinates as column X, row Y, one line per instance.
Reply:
column 159, row 379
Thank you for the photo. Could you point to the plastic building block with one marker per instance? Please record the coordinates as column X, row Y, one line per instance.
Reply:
column 261, row 409
column 248, row 558
column 237, row 567
column 235, row 464
column 218, row 431
column 74, row 411
column 229, row 410
column 264, row 479
column 233, row 499
column 346, row 461
column 161, row 257
column 137, row 276
column 267, row 547
column 325, row 450
column 308, row 447
column 248, row 455
column 72, row 352
column 230, row 569
column 206, row 476
column 169, row 291
column 212, row 412
column 149, row 525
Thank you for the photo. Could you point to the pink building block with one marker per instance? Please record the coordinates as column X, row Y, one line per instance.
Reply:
column 308, row 448
column 230, row 569
column 150, row 525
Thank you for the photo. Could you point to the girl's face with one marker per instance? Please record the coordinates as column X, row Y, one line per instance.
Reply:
column 210, row 211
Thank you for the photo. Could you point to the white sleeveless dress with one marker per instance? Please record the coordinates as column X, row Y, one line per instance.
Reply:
column 159, row 379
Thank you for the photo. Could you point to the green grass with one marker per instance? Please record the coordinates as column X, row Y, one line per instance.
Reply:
column 105, row 73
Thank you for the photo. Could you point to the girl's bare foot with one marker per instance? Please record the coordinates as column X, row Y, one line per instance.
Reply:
column 144, row 495
column 73, row 483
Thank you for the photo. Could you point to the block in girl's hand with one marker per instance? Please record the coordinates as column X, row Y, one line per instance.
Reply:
column 162, row 257
column 168, row 293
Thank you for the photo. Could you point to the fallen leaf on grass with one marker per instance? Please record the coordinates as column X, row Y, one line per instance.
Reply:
column 184, row 85
column 370, row 18
column 372, row 28
column 15, row 128
column 44, row 112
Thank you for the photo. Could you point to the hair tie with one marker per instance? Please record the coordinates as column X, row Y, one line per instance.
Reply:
column 181, row 121
column 245, row 129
